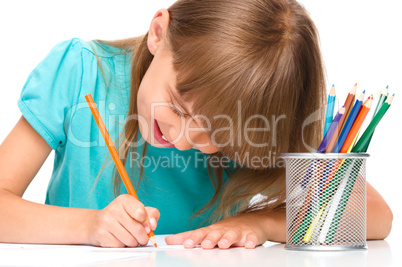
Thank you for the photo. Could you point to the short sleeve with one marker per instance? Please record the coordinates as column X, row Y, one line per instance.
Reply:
column 51, row 90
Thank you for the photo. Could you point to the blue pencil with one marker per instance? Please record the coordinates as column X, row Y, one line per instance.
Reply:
column 331, row 130
column 330, row 109
column 349, row 122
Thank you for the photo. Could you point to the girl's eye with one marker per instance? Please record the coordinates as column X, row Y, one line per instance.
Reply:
column 176, row 110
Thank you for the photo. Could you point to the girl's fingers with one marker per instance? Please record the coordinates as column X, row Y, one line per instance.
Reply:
column 135, row 229
column 211, row 239
column 110, row 241
column 195, row 238
column 153, row 215
column 136, row 210
column 177, row 239
column 230, row 237
column 251, row 241
column 123, row 235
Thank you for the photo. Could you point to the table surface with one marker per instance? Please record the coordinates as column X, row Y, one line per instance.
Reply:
column 379, row 253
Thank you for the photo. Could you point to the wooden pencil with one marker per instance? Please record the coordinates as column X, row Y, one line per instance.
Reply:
column 381, row 100
column 115, row 155
column 349, row 122
column 330, row 109
column 332, row 130
column 362, row 144
column 356, row 125
column 348, row 103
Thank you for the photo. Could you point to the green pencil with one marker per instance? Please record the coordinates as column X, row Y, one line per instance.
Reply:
column 366, row 137
column 380, row 102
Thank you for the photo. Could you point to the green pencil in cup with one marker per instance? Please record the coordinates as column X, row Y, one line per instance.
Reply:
column 380, row 102
column 363, row 142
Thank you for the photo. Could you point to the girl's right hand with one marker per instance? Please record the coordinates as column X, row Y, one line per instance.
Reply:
column 124, row 222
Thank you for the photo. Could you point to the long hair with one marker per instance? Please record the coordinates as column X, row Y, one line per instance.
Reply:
column 261, row 56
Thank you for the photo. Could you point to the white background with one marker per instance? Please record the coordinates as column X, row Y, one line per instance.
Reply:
column 360, row 43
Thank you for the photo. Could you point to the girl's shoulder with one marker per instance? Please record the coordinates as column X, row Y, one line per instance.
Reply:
column 99, row 48
column 94, row 47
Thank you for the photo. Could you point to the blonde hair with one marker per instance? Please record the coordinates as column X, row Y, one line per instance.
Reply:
column 263, row 53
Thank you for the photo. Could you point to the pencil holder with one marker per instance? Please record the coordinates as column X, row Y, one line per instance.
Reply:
column 325, row 201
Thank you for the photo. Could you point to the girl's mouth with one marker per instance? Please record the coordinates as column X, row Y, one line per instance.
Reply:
column 159, row 136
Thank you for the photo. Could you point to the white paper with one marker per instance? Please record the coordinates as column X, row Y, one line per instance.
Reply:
column 73, row 255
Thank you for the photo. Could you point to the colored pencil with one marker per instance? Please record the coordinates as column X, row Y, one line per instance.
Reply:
column 349, row 122
column 348, row 104
column 381, row 100
column 358, row 132
column 330, row 109
column 115, row 155
column 356, row 126
column 365, row 138
column 331, row 130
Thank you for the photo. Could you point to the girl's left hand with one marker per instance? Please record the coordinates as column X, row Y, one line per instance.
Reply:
column 245, row 230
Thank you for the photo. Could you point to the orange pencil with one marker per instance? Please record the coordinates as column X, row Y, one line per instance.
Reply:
column 348, row 104
column 115, row 155
column 356, row 125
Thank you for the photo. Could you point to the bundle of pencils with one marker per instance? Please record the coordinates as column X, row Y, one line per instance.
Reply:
column 318, row 218
column 341, row 132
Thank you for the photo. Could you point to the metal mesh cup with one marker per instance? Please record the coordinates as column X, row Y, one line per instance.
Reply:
column 325, row 201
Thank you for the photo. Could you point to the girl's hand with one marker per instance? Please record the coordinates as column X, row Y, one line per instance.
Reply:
column 246, row 230
column 124, row 222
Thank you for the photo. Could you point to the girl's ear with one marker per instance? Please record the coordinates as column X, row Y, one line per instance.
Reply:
column 157, row 30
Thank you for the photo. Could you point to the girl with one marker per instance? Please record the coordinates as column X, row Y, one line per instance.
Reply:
column 209, row 99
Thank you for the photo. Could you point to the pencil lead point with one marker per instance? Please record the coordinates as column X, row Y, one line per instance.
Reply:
column 355, row 84
column 364, row 91
column 387, row 86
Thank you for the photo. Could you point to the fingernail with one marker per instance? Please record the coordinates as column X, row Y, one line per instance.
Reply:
column 147, row 230
column 153, row 223
column 207, row 243
column 224, row 241
column 188, row 243
column 250, row 244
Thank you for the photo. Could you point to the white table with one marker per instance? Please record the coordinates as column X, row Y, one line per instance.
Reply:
column 378, row 254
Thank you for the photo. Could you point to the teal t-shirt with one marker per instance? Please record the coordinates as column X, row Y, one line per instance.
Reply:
column 53, row 102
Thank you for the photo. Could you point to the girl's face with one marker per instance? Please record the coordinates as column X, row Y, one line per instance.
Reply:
column 161, row 111
column 158, row 101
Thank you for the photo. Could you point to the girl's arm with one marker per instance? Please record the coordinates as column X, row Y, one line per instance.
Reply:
column 255, row 228
column 122, row 223
column 379, row 215
column 22, row 154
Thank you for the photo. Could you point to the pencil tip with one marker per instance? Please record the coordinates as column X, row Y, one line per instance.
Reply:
column 364, row 91
column 355, row 84
column 387, row 86
column 333, row 85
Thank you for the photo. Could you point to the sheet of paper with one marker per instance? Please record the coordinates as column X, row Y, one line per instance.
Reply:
column 73, row 255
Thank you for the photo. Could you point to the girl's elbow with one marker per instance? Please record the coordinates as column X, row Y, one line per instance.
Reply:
column 383, row 226
column 388, row 218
